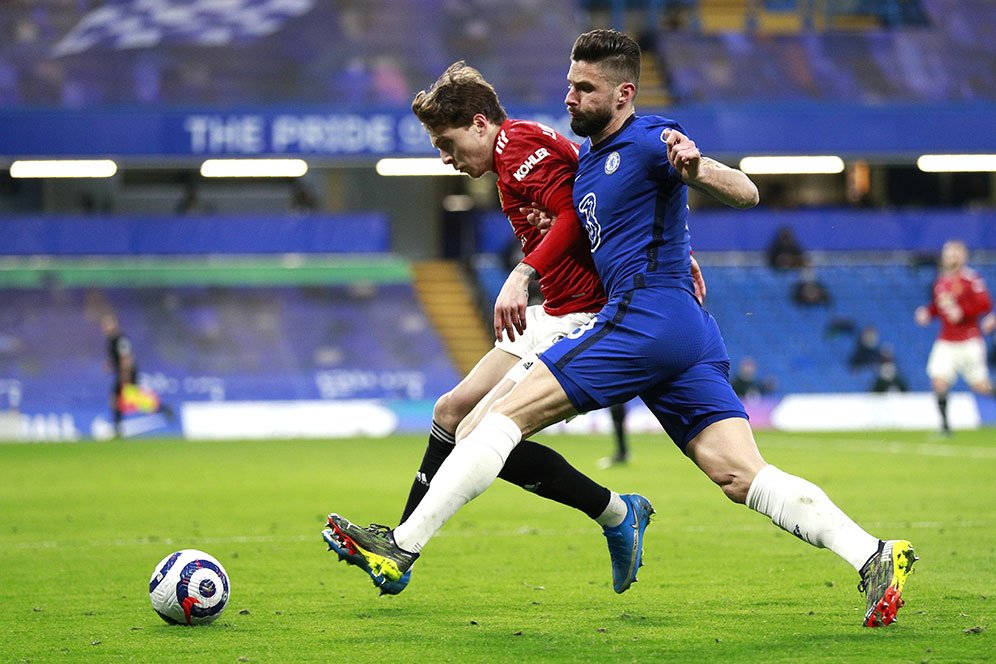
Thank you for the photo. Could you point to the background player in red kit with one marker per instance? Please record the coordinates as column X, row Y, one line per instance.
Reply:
column 535, row 166
column 961, row 301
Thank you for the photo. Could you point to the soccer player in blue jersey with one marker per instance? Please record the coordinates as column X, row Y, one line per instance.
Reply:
column 652, row 339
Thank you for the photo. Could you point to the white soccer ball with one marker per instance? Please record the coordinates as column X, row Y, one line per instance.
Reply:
column 189, row 587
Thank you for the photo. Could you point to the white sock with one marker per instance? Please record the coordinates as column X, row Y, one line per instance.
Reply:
column 465, row 474
column 614, row 512
column 803, row 509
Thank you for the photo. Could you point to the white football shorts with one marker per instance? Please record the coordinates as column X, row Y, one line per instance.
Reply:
column 949, row 359
column 542, row 331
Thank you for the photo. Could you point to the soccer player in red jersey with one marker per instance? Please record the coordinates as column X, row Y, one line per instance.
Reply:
column 651, row 339
column 961, row 301
column 535, row 167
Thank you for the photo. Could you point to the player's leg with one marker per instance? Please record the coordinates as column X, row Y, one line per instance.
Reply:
column 726, row 452
column 941, row 390
column 983, row 388
column 975, row 369
column 117, row 412
column 942, row 373
column 532, row 404
column 448, row 411
column 469, row 469
column 621, row 455
column 542, row 398
column 532, row 466
column 535, row 402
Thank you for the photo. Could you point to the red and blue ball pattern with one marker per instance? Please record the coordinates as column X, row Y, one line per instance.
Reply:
column 189, row 587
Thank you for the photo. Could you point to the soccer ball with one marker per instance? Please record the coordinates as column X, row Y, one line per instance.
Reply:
column 189, row 587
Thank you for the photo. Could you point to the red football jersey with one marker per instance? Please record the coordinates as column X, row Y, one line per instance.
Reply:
column 960, row 300
column 535, row 164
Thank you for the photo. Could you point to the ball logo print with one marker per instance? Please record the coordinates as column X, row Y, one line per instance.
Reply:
column 189, row 587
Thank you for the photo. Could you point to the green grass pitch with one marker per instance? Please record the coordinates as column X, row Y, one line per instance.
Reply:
column 511, row 578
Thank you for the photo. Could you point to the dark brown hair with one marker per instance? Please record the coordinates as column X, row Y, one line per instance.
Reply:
column 455, row 98
column 618, row 54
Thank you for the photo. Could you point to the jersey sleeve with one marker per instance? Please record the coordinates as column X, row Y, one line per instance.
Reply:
column 564, row 234
column 977, row 301
column 654, row 146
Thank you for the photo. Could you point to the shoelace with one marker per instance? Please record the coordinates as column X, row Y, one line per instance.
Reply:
column 862, row 585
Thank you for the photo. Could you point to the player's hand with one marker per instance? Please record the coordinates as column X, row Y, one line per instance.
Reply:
column 510, row 306
column 699, row 281
column 922, row 316
column 683, row 154
column 988, row 323
column 538, row 217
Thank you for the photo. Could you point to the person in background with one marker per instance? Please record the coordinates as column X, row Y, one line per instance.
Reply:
column 746, row 383
column 621, row 455
column 867, row 350
column 120, row 363
column 126, row 395
column 785, row 252
column 961, row 301
column 888, row 378
column 809, row 291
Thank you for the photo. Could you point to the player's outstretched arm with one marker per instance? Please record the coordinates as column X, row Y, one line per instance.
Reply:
column 727, row 185
column 988, row 323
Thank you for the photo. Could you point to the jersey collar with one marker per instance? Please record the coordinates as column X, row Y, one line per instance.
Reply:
column 611, row 137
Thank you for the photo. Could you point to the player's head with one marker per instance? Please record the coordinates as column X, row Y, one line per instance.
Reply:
column 462, row 114
column 602, row 81
column 954, row 255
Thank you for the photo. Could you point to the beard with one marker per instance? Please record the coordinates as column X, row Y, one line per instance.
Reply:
column 591, row 123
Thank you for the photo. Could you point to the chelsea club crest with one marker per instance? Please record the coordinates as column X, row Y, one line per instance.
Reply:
column 611, row 163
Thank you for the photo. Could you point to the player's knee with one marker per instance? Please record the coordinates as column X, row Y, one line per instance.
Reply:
column 450, row 410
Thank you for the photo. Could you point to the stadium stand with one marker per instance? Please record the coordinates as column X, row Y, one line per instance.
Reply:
column 225, row 304
column 380, row 52
column 259, row 309
column 806, row 349
column 948, row 56
column 214, row 343
column 877, row 268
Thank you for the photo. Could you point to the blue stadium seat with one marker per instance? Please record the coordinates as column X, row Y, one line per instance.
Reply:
column 260, row 343
column 797, row 346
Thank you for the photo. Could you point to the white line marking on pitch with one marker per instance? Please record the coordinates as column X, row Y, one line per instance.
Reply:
column 884, row 447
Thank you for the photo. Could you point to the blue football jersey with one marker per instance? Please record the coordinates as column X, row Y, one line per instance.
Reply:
column 634, row 206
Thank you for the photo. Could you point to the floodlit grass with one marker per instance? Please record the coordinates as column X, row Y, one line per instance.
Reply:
column 511, row 578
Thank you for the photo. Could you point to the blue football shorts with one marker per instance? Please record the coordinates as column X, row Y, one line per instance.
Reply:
column 657, row 343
